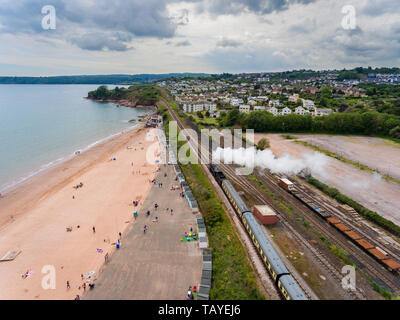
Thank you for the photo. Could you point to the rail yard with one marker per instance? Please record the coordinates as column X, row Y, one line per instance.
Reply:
column 375, row 259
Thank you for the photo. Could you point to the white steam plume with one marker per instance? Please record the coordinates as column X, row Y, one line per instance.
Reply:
column 286, row 164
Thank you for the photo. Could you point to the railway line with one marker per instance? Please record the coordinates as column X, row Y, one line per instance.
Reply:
column 363, row 260
column 260, row 197
column 309, row 294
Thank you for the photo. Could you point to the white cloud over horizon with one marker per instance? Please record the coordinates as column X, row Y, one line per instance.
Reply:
column 211, row 36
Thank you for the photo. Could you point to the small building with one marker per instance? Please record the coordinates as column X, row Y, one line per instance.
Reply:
column 286, row 184
column 285, row 111
column 244, row 108
column 265, row 214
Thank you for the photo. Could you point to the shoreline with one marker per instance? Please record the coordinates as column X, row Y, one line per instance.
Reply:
column 18, row 181
column 58, row 162
column 42, row 209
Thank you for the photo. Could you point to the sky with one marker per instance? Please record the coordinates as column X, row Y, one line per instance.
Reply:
column 210, row 36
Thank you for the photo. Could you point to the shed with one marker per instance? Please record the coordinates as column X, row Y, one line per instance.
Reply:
column 265, row 214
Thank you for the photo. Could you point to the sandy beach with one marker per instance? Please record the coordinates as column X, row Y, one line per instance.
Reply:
column 34, row 217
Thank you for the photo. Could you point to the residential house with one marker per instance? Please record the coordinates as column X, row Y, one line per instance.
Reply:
column 293, row 98
column 285, row 111
column 273, row 110
column 301, row 111
column 244, row 108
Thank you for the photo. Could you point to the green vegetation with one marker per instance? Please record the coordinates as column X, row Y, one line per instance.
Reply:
column 348, row 161
column 145, row 95
column 368, row 123
column 382, row 291
column 364, row 212
column 233, row 276
column 263, row 144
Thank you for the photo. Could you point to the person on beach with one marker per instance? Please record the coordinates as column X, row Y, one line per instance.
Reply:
column 84, row 286
column 94, row 229
column 68, row 286
column 120, row 235
column 77, row 297
column 156, row 219
column 144, row 229
column 148, row 213
column 172, row 212
column 135, row 214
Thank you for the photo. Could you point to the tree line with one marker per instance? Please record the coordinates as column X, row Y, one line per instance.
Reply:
column 368, row 123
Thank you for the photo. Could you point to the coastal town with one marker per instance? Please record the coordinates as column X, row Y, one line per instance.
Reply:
column 272, row 92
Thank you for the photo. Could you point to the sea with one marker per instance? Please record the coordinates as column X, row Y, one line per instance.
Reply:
column 44, row 125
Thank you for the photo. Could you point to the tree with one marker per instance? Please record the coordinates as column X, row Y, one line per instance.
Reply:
column 200, row 114
column 207, row 114
column 263, row 144
column 395, row 132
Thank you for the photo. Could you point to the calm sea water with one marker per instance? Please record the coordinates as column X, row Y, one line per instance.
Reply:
column 42, row 125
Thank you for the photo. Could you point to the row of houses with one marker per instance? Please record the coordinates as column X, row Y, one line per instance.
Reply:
column 285, row 111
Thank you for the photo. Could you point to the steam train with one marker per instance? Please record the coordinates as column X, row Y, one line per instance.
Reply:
column 284, row 281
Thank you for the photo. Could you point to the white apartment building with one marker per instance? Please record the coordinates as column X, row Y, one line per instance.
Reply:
column 211, row 107
column 190, row 107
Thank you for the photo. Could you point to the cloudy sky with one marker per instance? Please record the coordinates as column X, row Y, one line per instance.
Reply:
column 211, row 36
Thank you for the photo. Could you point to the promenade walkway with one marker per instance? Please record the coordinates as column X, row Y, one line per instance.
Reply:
column 154, row 265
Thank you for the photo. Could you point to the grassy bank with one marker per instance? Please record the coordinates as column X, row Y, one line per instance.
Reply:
column 233, row 275
column 364, row 212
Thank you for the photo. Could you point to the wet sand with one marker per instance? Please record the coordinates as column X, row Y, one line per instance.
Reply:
column 43, row 208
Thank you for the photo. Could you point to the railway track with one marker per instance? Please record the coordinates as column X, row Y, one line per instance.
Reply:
column 253, row 255
column 260, row 197
column 367, row 233
column 375, row 269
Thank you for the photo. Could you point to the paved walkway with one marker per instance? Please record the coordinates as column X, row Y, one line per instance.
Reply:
column 155, row 265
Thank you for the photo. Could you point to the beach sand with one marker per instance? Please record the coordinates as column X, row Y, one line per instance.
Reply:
column 43, row 208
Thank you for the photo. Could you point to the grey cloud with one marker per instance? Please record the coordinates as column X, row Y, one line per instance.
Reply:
column 99, row 42
column 255, row 6
column 226, row 43
column 120, row 20
column 379, row 7
column 184, row 43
